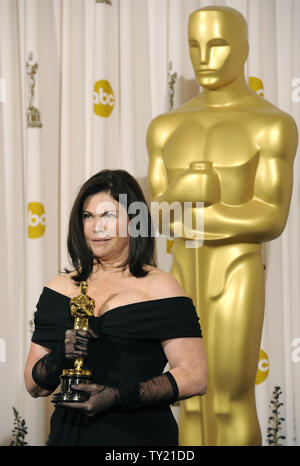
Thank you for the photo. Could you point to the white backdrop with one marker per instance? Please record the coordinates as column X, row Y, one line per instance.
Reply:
column 101, row 76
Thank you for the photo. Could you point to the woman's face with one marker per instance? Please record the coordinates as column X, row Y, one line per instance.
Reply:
column 105, row 226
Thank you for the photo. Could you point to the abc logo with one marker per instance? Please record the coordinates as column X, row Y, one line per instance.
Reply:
column 263, row 367
column 256, row 85
column 36, row 219
column 104, row 98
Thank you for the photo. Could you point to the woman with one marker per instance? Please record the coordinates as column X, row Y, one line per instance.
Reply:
column 142, row 320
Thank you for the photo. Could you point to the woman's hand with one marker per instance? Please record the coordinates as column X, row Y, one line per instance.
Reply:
column 101, row 397
column 78, row 343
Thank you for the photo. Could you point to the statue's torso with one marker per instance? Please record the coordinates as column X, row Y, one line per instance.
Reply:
column 231, row 139
column 235, row 141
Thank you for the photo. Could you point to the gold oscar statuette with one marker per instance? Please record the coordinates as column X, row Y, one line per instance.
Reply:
column 82, row 308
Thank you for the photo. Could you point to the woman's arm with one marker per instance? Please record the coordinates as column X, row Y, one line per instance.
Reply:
column 36, row 352
column 188, row 365
column 44, row 366
column 186, row 356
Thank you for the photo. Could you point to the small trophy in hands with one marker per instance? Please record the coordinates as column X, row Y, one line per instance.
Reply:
column 82, row 308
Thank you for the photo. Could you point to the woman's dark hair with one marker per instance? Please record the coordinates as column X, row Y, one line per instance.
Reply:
column 141, row 250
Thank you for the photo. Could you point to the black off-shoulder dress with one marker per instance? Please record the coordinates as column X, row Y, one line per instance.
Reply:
column 128, row 350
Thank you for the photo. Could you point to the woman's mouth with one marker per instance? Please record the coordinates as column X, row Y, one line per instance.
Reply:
column 100, row 240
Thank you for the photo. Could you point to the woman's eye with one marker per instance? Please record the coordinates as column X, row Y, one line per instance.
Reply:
column 106, row 214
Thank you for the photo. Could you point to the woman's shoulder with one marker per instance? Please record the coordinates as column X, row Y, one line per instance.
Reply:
column 161, row 284
column 62, row 283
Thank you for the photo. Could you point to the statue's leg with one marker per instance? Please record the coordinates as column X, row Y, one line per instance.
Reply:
column 233, row 340
column 190, row 417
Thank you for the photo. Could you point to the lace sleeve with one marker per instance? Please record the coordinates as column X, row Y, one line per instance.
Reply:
column 47, row 370
column 160, row 390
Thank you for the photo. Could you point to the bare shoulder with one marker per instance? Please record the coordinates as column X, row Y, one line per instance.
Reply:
column 62, row 283
column 161, row 284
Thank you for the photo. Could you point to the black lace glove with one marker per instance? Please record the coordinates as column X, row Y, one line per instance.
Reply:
column 47, row 370
column 78, row 343
column 160, row 390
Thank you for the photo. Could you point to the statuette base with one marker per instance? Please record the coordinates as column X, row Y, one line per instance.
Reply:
column 67, row 379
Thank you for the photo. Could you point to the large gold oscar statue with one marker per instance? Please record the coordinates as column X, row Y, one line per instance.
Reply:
column 229, row 133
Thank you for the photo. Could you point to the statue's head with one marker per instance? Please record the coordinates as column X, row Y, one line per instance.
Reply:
column 218, row 43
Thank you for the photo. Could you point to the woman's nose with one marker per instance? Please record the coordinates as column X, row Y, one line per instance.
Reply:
column 99, row 225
